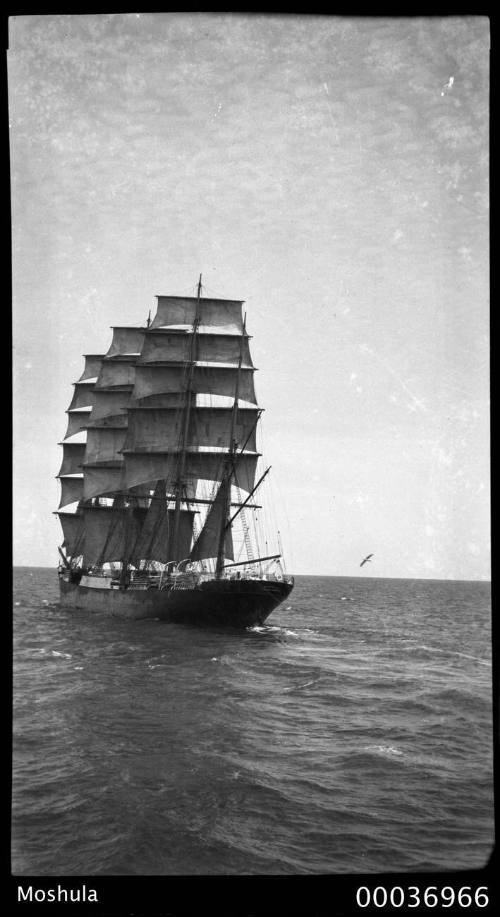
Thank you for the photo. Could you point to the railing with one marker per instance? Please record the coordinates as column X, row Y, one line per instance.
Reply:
column 190, row 580
column 187, row 579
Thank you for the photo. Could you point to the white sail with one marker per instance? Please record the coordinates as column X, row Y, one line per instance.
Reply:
column 207, row 544
column 77, row 421
column 171, row 347
column 116, row 372
column 71, row 490
column 152, row 429
column 223, row 314
column 92, row 368
column 153, row 380
column 73, row 458
column 73, row 531
column 208, row 466
column 104, row 444
column 83, row 396
column 126, row 341
column 156, row 429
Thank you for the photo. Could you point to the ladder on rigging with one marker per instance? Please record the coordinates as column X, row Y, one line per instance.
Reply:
column 246, row 530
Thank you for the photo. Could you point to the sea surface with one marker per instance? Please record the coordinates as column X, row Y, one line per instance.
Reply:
column 352, row 733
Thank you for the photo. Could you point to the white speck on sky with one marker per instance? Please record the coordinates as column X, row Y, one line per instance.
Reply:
column 332, row 172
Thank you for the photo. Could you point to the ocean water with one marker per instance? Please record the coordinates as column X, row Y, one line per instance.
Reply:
column 352, row 733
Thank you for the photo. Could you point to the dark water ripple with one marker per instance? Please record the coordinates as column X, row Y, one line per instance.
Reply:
column 351, row 733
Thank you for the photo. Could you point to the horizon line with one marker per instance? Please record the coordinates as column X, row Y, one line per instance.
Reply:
column 435, row 579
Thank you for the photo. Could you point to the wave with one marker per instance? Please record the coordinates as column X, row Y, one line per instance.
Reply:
column 384, row 749
column 271, row 629
column 308, row 744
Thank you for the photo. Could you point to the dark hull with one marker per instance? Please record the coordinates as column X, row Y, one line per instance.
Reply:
column 227, row 603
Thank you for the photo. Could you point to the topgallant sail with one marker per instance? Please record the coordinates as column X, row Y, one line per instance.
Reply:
column 158, row 503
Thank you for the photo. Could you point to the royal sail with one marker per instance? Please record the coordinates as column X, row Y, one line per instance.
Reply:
column 160, row 474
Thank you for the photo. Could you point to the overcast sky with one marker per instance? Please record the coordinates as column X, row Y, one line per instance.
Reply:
column 332, row 172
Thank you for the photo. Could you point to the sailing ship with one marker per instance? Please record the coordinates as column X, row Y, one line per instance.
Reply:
column 159, row 474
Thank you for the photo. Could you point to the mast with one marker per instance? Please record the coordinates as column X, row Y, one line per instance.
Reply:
column 187, row 411
column 226, row 482
column 126, row 544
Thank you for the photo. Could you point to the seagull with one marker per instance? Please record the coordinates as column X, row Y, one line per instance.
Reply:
column 366, row 560
column 448, row 85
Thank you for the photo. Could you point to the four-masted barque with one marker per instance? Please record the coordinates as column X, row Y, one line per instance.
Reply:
column 159, row 474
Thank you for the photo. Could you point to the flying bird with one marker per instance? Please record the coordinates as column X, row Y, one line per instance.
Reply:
column 366, row 560
column 448, row 85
